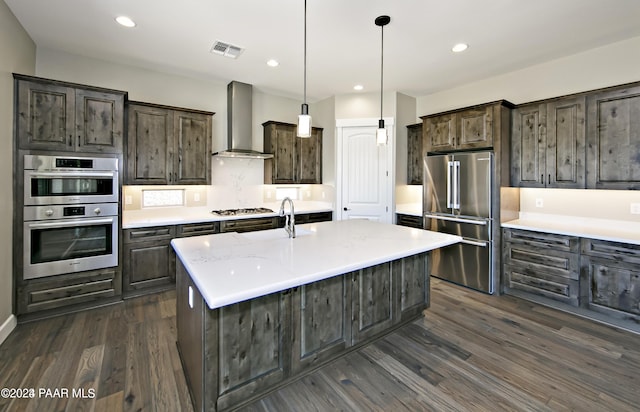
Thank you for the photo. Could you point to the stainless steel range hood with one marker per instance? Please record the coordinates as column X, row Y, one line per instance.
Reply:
column 239, row 123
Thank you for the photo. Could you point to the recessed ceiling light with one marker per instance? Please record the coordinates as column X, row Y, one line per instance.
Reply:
column 460, row 47
column 358, row 87
column 125, row 21
column 272, row 63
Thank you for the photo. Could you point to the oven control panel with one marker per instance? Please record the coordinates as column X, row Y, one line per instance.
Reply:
column 69, row 212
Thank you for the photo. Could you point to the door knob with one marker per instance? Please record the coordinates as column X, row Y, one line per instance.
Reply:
column 345, row 209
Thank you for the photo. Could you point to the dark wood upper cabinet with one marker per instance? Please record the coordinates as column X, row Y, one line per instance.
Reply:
column 613, row 138
column 466, row 129
column 60, row 116
column 167, row 145
column 415, row 165
column 295, row 160
column 548, row 144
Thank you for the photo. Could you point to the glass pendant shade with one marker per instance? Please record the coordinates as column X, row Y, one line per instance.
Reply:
column 381, row 133
column 304, row 122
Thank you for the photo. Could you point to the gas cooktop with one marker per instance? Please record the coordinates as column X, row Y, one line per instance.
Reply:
column 245, row 211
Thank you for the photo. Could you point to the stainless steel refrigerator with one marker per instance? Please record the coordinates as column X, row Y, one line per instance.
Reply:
column 457, row 192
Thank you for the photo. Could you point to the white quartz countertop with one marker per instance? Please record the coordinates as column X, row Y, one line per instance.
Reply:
column 603, row 229
column 230, row 267
column 132, row 219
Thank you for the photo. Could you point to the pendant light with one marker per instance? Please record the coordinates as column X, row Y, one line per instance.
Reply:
column 381, row 133
column 304, row 120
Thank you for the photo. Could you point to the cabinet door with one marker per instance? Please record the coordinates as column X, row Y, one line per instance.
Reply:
column 149, row 145
column 148, row 265
column 441, row 132
column 413, row 275
column 613, row 130
column 415, row 164
column 45, row 116
column 321, row 323
column 565, row 143
column 192, row 134
column 528, row 138
column 373, row 302
column 614, row 285
column 309, row 158
column 254, row 345
column 476, row 128
column 280, row 141
column 100, row 121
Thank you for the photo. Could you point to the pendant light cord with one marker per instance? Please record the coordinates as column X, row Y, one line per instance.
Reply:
column 305, row 53
column 381, row 65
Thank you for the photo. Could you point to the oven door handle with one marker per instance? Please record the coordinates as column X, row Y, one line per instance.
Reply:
column 71, row 174
column 71, row 222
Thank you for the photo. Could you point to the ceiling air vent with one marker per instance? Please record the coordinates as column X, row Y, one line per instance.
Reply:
column 226, row 49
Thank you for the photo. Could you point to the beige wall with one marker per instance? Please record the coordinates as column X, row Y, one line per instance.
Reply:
column 605, row 66
column 165, row 88
column 600, row 204
column 17, row 55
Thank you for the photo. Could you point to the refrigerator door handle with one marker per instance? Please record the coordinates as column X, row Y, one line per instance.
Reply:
column 456, row 185
column 449, row 183
column 457, row 219
column 474, row 243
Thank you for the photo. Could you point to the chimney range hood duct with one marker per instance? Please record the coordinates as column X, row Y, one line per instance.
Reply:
column 239, row 127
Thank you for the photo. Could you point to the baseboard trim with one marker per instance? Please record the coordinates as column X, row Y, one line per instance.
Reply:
column 7, row 327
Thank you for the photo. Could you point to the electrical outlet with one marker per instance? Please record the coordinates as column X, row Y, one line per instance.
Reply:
column 128, row 200
column 539, row 202
column 634, row 208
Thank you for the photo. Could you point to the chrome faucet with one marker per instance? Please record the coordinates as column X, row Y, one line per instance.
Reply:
column 290, row 222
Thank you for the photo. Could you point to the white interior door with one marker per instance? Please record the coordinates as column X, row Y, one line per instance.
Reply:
column 365, row 178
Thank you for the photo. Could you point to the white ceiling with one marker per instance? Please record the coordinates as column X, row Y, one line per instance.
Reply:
column 343, row 41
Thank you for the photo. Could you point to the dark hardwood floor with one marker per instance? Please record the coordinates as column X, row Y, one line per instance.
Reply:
column 471, row 352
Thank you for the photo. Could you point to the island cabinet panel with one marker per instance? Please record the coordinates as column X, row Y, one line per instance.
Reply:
column 255, row 346
column 235, row 354
column 412, row 275
column 611, row 276
column 542, row 264
column 373, row 302
column 613, row 136
column 54, row 115
column 321, row 324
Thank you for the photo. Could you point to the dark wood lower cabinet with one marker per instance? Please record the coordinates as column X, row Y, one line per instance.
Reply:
column 70, row 291
column 611, row 272
column 596, row 275
column 238, row 353
column 409, row 220
column 149, row 260
column 542, row 264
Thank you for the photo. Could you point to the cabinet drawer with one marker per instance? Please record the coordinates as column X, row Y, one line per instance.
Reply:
column 144, row 234
column 540, row 240
column 66, row 290
column 548, row 285
column 624, row 252
column 534, row 262
column 248, row 225
column 409, row 220
column 194, row 229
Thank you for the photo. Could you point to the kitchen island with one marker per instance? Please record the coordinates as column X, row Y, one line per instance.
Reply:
column 258, row 310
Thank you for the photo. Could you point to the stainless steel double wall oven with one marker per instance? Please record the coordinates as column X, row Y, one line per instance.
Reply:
column 70, row 214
